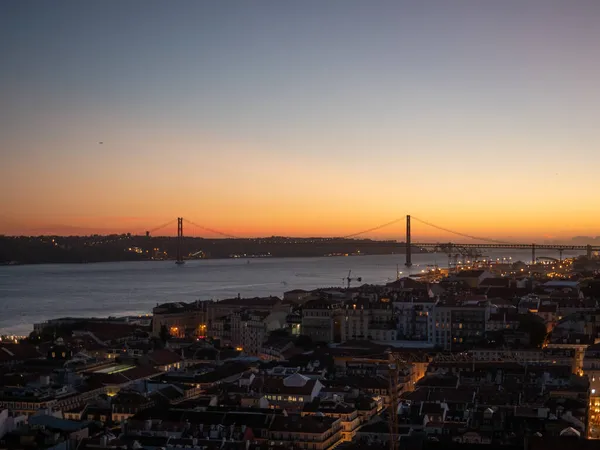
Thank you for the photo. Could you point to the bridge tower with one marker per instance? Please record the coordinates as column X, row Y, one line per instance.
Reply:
column 408, row 246
column 532, row 253
column 179, row 259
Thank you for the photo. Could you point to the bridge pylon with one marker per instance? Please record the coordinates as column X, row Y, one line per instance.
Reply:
column 179, row 260
column 408, row 244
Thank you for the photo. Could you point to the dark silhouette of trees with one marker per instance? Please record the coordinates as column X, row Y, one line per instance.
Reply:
column 535, row 326
column 280, row 333
column 304, row 342
column 164, row 334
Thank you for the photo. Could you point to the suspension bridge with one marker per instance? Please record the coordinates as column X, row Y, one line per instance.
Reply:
column 449, row 248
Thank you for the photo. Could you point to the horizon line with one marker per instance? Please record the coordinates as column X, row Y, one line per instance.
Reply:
column 315, row 237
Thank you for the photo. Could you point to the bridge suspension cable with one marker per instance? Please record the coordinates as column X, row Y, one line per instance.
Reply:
column 348, row 236
column 160, row 227
column 211, row 230
column 379, row 227
column 476, row 238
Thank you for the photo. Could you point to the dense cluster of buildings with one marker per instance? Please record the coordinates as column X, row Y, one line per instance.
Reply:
column 474, row 360
column 458, row 312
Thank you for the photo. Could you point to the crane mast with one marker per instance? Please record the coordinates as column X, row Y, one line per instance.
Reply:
column 393, row 364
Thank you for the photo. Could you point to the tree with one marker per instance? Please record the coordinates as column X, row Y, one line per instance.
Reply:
column 280, row 333
column 304, row 342
column 535, row 326
column 592, row 289
column 164, row 334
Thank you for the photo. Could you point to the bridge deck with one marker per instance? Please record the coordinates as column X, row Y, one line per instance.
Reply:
column 513, row 246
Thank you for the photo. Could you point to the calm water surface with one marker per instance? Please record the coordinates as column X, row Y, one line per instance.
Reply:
column 30, row 294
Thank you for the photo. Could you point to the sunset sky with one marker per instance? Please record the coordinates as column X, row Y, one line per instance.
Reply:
column 301, row 117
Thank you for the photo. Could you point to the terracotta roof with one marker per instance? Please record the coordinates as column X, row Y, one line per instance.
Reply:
column 320, row 304
column 141, row 372
column 328, row 406
column 440, row 381
column 97, row 380
column 109, row 331
column 130, row 398
column 164, row 357
column 448, row 395
column 306, row 424
column 431, row 408
column 375, row 382
column 276, row 385
column 407, row 283
column 222, row 372
column 18, row 352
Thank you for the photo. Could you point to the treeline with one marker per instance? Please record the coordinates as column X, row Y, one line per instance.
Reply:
column 81, row 249
column 35, row 251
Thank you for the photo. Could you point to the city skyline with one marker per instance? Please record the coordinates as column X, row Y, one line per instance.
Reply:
column 300, row 119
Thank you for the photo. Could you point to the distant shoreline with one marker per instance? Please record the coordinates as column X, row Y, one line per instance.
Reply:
column 249, row 258
column 90, row 249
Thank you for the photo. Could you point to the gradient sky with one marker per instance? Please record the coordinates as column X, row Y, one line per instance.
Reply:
column 300, row 118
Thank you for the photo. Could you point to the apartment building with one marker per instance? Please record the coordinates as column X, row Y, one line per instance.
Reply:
column 363, row 319
column 321, row 320
column 460, row 325
column 181, row 319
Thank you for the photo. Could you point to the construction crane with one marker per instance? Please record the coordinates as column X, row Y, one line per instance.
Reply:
column 350, row 280
column 394, row 363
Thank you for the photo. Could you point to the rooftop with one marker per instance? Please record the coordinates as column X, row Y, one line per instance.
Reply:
column 164, row 357
column 292, row 385
column 251, row 302
column 304, row 424
column 475, row 273
column 18, row 352
column 329, row 406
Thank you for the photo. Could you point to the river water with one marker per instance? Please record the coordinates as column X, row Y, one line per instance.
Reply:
column 30, row 294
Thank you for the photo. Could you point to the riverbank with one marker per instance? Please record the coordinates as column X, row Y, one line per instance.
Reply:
column 93, row 249
column 34, row 293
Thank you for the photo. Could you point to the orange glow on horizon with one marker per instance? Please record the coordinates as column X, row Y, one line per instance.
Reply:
column 529, row 229
column 248, row 190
